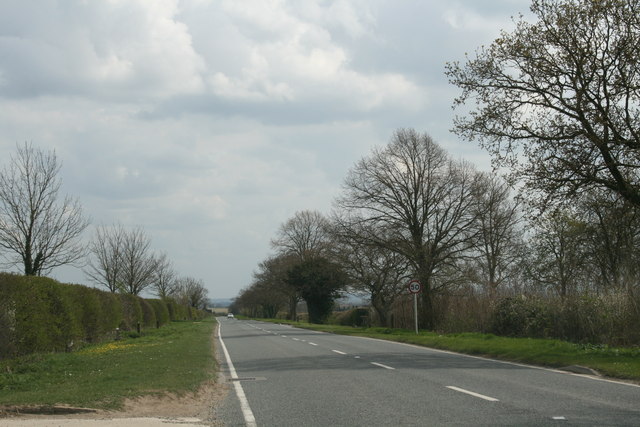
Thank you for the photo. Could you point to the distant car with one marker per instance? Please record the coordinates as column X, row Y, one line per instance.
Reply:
column 230, row 316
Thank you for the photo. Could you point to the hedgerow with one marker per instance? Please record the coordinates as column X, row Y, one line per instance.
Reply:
column 38, row 314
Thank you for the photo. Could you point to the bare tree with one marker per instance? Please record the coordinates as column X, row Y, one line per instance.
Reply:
column 558, row 247
column 498, row 240
column 164, row 280
column 138, row 262
column 37, row 230
column 105, row 260
column 192, row 292
column 373, row 269
column 421, row 199
column 558, row 100
column 305, row 235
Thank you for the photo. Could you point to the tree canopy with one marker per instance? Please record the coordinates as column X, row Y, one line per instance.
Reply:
column 558, row 100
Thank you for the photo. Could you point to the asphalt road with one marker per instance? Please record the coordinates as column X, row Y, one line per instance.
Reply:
column 295, row 377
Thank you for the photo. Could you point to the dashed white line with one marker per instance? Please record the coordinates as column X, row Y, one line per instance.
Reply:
column 312, row 343
column 383, row 366
column 558, row 418
column 471, row 393
column 338, row 351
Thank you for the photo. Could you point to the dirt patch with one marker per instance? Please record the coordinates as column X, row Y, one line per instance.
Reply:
column 201, row 405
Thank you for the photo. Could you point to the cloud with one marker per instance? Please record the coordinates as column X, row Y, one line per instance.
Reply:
column 107, row 49
column 211, row 122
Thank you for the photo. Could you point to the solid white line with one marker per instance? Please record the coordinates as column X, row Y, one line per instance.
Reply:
column 338, row 351
column 312, row 343
column 383, row 366
column 481, row 396
column 244, row 403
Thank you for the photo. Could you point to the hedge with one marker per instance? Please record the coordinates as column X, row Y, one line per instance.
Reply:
column 38, row 314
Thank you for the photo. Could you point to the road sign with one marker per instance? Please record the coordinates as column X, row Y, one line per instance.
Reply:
column 415, row 287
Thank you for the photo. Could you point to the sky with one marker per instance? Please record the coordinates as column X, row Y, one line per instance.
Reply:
column 209, row 123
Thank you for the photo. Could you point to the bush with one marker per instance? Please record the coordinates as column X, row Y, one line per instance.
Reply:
column 87, row 309
column 161, row 310
column 521, row 317
column 358, row 317
column 40, row 315
column 148, row 314
column 131, row 312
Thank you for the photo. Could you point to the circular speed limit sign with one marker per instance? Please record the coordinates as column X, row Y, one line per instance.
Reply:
column 414, row 287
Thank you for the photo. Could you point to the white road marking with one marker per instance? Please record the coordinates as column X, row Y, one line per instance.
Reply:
column 558, row 418
column 247, row 413
column 383, row 366
column 312, row 343
column 338, row 351
column 356, row 357
column 295, row 339
column 481, row 396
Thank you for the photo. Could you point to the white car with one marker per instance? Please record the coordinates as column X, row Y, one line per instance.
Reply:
column 230, row 316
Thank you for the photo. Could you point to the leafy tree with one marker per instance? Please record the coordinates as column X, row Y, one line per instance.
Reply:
column 302, row 237
column 36, row 227
column 558, row 100
column 319, row 282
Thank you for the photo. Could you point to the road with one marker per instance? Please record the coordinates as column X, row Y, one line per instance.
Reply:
column 294, row 377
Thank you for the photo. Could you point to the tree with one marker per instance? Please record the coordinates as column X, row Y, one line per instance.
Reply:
column 105, row 261
column 370, row 268
column 421, row 201
column 191, row 292
column 498, row 237
column 558, row 100
column 558, row 250
column 304, row 236
column 164, row 279
column 612, row 241
column 319, row 282
column 138, row 262
column 42, row 231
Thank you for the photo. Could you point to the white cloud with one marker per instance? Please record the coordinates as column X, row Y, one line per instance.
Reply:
column 115, row 48
column 211, row 122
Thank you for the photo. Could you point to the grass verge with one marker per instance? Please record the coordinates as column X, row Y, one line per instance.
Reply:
column 176, row 358
column 622, row 363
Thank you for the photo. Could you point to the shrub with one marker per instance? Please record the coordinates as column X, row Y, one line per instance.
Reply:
column 161, row 310
column 148, row 314
column 131, row 312
column 521, row 317
column 40, row 315
column 355, row 317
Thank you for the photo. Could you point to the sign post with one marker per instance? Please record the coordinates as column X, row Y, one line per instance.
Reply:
column 415, row 287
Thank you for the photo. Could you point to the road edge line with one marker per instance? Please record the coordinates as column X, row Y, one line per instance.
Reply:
column 247, row 413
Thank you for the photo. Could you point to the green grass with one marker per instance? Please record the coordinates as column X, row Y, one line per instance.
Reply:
column 176, row 358
column 623, row 363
